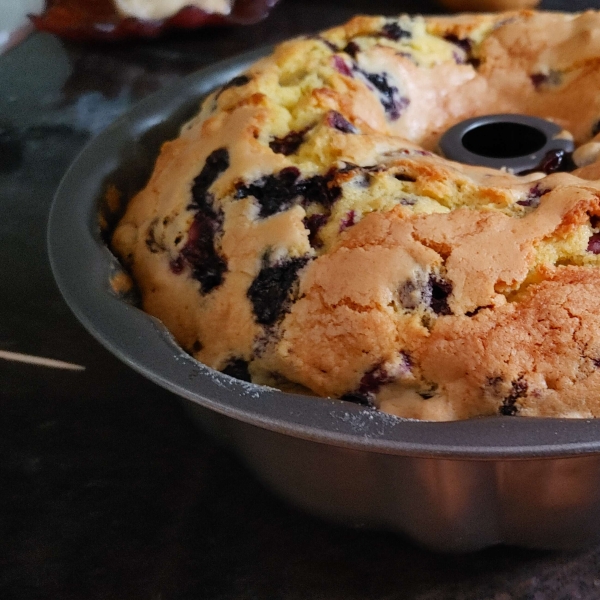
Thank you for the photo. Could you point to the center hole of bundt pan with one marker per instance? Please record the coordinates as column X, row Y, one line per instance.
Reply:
column 519, row 143
column 503, row 140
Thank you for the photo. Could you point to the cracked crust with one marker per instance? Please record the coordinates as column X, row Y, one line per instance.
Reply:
column 303, row 232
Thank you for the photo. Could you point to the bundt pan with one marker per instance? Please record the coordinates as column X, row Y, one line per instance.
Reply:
column 457, row 486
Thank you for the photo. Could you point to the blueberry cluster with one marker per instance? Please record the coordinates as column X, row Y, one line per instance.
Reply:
column 199, row 252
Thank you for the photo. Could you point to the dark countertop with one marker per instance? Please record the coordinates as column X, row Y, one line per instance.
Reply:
column 107, row 490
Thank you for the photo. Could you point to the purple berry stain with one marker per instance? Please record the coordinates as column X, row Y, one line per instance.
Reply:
column 594, row 244
column 341, row 67
column 270, row 291
column 348, row 220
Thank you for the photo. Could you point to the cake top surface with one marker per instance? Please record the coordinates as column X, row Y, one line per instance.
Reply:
column 303, row 231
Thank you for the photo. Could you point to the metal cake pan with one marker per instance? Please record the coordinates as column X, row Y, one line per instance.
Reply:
column 457, row 486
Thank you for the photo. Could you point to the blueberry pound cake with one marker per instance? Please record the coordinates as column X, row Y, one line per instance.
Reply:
column 303, row 232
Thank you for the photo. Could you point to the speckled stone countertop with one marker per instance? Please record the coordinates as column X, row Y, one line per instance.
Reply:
column 107, row 490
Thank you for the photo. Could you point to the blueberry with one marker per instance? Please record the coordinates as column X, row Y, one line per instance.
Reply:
column 518, row 390
column 556, row 160
column 238, row 81
column 274, row 193
column 238, row 368
column 464, row 44
column 314, row 223
column 432, row 294
column 352, row 49
column 393, row 31
column 216, row 163
column 270, row 291
column 372, row 381
column 533, row 198
column 553, row 161
column 538, row 79
column 389, row 95
column 369, row 385
column 199, row 252
column 541, row 79
column 439, row 290
column 318, row 189
column 337, row 121
column 177, row 265
column 288, row 144
column 280, row 191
